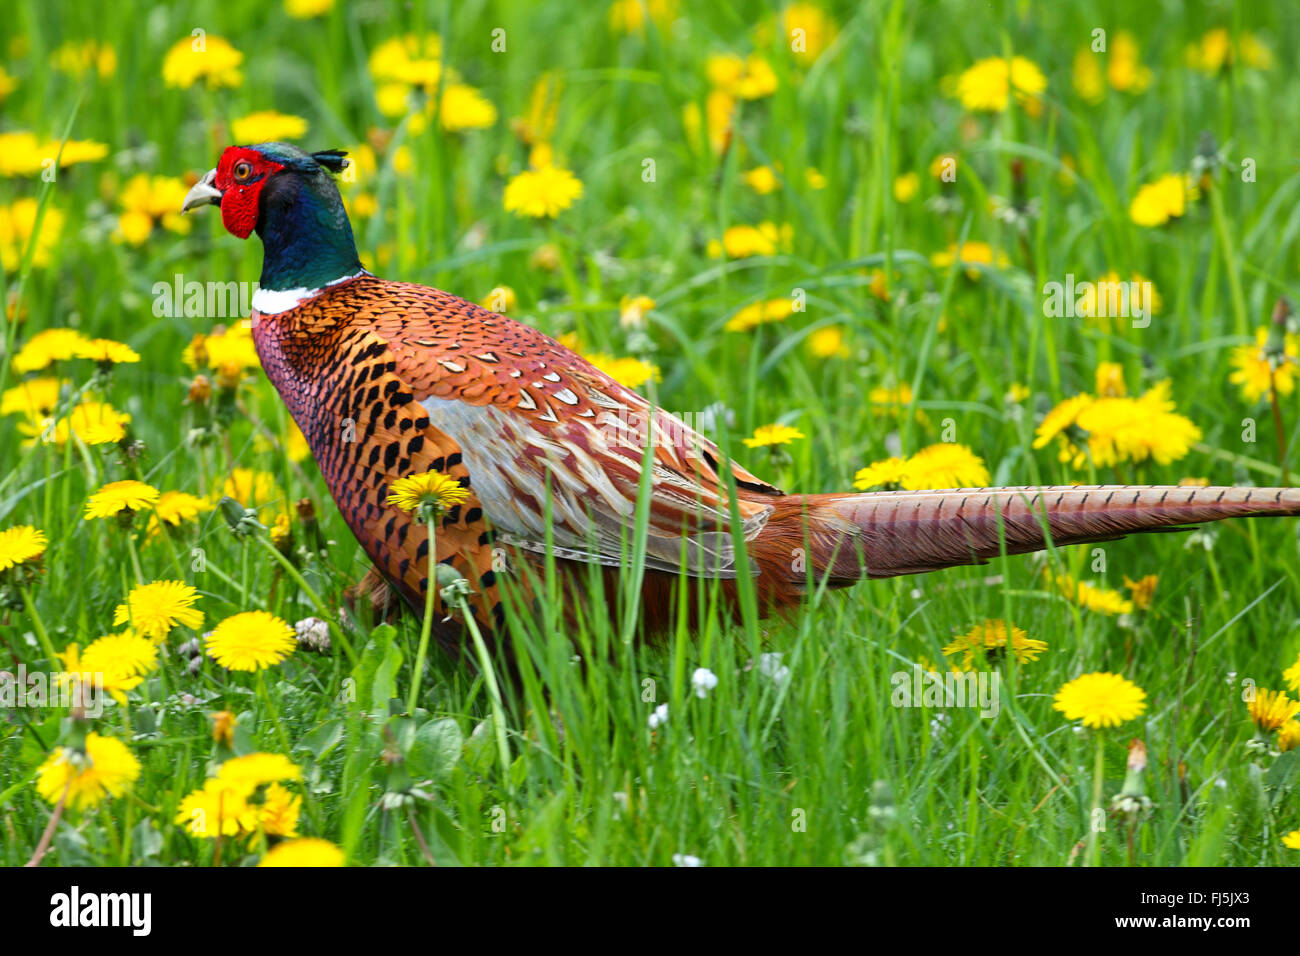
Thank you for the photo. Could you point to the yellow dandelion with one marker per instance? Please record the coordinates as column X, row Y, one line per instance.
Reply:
column 118, row 496
column 1158, row 202
column 906, row 187
column 250, row 641
column 17, row 226
column 762, row 179
column 1091, row 597
column 501, row 299
column 808, row 29
column 971, row 255
column 1143, row 590
column 766, row 436
column 252, row 770
column 266, row 126
column 1288, row 736
column 45, row 348
column 278, row 815
column 542, row 193
column 945, row 465
column 209, row 58
column 108, row 352
column 307, row 851
column 464, row 107
column 1256, row 374
column 106, row 769
column 79, row 58
column 21, row 544
column 432, row 489
column 632, row 310
column 828, row 342
column 988, row 84
column 1100, row 700
column 1292, row 840
column 989, row 640
column 150, row 202
column 628, row 371
column 217, row 808
column 307, row 9
column 760, row 313
column 33, row 398
column 888, row 472
column 175, row 507
column 748, row 78
column 154, row 609
column 1271, row 709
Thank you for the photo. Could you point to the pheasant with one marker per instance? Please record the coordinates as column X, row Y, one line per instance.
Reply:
column 388, row 379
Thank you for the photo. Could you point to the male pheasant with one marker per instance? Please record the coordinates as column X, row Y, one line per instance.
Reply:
column 388, row 379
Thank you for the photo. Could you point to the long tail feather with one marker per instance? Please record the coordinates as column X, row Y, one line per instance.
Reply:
column 882, row 534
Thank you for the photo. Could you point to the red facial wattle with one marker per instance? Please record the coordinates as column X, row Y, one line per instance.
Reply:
column 241, row 195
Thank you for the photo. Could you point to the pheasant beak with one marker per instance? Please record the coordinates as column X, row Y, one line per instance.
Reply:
column 203, row 193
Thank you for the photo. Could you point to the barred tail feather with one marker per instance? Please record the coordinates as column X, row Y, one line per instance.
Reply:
column 883, row 534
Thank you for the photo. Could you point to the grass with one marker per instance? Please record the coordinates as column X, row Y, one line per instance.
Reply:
column 818, row 768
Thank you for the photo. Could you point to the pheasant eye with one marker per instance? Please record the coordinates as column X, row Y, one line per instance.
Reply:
column 242, row 171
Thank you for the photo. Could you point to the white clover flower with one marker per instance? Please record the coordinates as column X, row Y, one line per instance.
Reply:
column 770, row 666
column 660, row 716
column 685, row 859
column 703, row 680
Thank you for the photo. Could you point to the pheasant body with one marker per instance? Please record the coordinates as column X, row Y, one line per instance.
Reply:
column 388, row 379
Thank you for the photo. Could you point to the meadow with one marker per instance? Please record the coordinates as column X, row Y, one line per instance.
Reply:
column 825, row 231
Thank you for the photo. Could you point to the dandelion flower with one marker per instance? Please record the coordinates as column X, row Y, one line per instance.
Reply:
column 432, row 489
column 1091, row 597
column 1292, row 840
column 629, row 371
column 542, row 193
column 118, row 496
column 217, row 808
column 154, row 609
column 1100, row 700
column 1288, row 736
column 1272, row 709
column 828, row 342
column 988, row 84
column 45, row 348
column 106, row 769
column 21, row 544
column 990, row 640
column 208, row 58
column 108, row 352
column 307, row 851
column 278, row 815
column 1257, row 375
column 768, row 435
column 888, row 471
column 174, row 507
column 255, row 769
column 250, row 641
column 1143, row 590
column 1158, row 202
column 945, row 465
column 906, row 187
column 265, row 126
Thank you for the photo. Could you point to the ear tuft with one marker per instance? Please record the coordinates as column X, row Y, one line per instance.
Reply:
column 335, row 160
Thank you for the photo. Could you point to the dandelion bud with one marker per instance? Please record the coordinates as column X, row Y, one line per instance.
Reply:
column 200, row 390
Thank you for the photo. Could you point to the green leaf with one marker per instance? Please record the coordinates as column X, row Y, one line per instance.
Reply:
column 437, row 747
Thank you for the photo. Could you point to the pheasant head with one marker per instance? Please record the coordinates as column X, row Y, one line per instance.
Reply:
column 289, row 198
